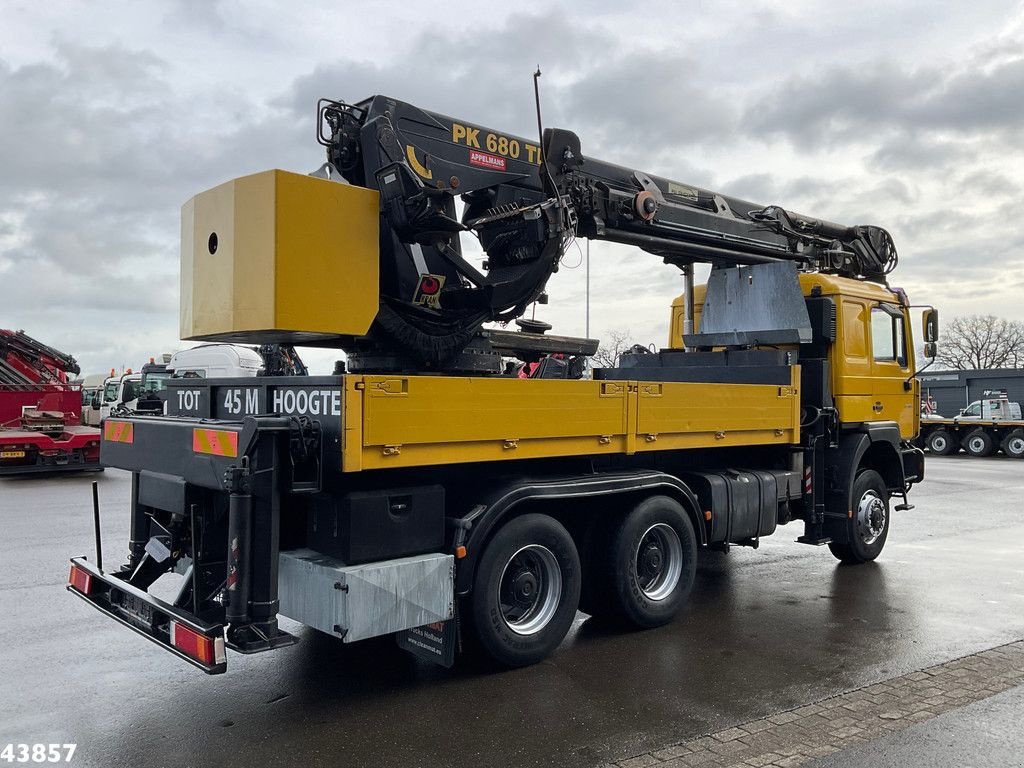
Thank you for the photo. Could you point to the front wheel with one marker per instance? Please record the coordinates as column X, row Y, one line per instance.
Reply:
column 868, row 528
column 526, row 590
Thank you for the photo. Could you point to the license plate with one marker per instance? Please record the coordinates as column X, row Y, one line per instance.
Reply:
column 135, row 607
column 12, row 454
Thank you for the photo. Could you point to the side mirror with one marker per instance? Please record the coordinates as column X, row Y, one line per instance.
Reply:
column 931, row 350
column 95, row 404
column 930, row 326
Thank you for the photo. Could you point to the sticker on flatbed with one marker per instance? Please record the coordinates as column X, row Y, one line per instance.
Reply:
column 215, row 442
column 119, row 431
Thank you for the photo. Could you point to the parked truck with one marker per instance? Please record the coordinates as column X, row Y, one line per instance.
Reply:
column 41, row 411
column 420, row 492
column 982, row 428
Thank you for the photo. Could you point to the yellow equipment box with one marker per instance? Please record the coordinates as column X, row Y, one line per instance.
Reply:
column 279, row 257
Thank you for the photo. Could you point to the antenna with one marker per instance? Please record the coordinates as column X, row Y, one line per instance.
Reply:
column 587, row 333
column 544, row 171
column 536, row 96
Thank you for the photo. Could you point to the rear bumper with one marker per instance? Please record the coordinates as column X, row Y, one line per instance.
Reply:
column 147, row 615
column 25, row 469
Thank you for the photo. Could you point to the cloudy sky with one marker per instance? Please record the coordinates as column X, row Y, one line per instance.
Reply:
column 909, row 115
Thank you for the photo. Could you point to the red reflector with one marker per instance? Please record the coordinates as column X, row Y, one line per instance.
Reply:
column 208, row 650
column 79, row 580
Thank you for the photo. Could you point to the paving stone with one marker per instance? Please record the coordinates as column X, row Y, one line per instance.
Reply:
column 810, row 709
column 670, row 752
column 640, row 761
column 824, row 727
column 761, row 760
column 756, row 726
column 728, row 747
column 730, row 734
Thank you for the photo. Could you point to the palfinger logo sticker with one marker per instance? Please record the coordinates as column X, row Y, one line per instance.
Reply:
column 428, row 292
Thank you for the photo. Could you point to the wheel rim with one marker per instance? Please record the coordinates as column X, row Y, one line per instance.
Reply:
column 530, row 589
column 938, row 443
column 659, row 561
column 1015, row 445
column 871, row 515
column 976, row 445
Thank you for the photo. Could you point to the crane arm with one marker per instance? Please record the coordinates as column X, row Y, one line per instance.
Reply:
column 524, row 205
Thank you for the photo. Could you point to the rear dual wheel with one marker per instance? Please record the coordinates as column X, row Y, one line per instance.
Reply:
column 941, row 443
column 979, row 443
column 643, row 567
column 1013, row 444
column 525, row 591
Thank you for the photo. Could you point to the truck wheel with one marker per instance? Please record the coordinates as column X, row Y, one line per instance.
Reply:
column 526, row 590
column 941, row 443
column 1013, row 444
column 979, row 443
column 650, row 564
column 869, row 526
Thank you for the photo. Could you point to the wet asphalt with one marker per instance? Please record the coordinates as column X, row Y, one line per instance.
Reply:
column 766, row 631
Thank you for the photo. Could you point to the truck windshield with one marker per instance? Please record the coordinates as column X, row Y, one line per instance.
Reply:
column 110, row 392
column 155, row 382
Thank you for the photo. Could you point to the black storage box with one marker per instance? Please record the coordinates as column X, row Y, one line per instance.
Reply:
column 369, row 526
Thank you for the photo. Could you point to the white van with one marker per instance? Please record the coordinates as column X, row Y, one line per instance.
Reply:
column 92, row 393
column 214, row 361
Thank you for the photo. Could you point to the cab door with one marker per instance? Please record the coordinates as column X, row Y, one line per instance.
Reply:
column 892, row 385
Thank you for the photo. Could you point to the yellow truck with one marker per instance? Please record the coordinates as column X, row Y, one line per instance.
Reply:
column 423, row 491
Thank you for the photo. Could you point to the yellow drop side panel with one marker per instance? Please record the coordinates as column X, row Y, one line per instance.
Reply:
column 676, row 415
column 279, row 256
column 408, row 421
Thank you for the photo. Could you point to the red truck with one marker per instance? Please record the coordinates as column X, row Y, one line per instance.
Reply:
column 41, row 410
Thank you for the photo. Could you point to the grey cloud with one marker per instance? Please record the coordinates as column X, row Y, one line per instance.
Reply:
column 991, row 183
column 913, row 152
column 627, row 104
column 858, row 103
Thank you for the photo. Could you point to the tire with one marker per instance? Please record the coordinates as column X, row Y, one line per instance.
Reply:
column 941, row 443
column 1013, row 444
column 868, row 529
column 649, row 564
column 979, row 443
column 525, row 591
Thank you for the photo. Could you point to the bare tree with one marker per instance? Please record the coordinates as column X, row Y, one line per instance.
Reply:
column 612, row 347
column 982, row 341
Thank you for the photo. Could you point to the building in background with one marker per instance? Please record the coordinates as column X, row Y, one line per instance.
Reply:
column 953, row 390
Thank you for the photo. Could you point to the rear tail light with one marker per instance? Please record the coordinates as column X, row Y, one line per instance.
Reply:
column 208, row 650
column 79, row 580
